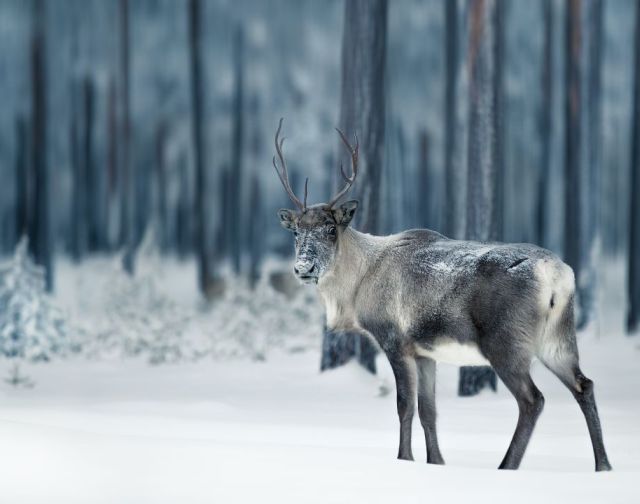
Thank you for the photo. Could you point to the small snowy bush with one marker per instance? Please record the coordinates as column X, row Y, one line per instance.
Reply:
column 249, row 322
column 138, row 317
column 32, row 328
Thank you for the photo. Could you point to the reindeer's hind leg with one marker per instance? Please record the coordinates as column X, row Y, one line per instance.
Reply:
column 560, row 355
column 530, row 400
column 427, row 407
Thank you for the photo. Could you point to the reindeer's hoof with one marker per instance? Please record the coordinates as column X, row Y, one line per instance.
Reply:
column 402, row 456
column 603, row 466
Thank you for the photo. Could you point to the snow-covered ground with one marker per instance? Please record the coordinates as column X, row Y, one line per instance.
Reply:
column 280, row 431
column 243, row 414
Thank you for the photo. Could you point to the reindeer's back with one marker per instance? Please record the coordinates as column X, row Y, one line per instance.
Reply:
column 440, row 287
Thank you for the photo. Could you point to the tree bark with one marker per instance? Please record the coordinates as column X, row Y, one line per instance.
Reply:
column 128, row 223
column 40, row 242
column 483, row 154
column 201, row 179
column 633, row 283
column 235, row 175
column 453, row 179
column 362, row 112
column 545, row 127
column 582, row 163
column 22, row 180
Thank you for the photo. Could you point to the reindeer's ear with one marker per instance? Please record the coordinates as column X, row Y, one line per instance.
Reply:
column 345, row 212
column 287, row 218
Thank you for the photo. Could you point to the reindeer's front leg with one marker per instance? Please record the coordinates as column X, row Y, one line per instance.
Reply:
column 404, row 370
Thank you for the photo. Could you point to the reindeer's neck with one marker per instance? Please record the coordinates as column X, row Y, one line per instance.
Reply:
column 355, row 254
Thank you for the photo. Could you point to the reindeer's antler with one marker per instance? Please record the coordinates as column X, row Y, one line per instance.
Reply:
column 283, row 175
column 354, row 167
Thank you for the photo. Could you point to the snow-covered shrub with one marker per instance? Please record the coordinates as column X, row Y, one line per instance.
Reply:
column 139, row 318
column 32, row 328
column 159, row 315
column 249, row 322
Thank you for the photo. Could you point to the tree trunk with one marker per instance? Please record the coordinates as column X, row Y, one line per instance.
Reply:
column 256, row 225
column 162, row 201
column 22, row 180
column 201, row 179
column 483, row 199
column 545, row 127
column 584, row 25
column 235, row 176
column 40, row 242
column 78, row 216
column 93, row 187
column 128, row 223
column 362, row 112
column 633, row 283
column 454, row 178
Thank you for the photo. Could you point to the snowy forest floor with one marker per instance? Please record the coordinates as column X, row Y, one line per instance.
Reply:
column 251, row 419
column 279, row 431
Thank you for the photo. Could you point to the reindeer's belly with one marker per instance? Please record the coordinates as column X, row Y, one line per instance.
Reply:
column 452, row 352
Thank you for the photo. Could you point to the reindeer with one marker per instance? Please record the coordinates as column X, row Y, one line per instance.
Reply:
column 425, row 298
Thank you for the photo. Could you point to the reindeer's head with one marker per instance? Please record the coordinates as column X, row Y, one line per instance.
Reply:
column 317, row 229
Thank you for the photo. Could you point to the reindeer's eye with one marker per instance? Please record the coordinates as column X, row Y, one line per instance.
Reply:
column 331, row 231
column 295, row 234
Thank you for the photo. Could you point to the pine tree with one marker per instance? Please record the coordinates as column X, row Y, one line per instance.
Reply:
column 31, row 327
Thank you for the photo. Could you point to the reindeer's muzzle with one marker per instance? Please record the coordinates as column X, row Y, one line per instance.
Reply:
column 306, row 272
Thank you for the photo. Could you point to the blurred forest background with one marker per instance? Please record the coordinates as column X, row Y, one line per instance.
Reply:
column 136, row 125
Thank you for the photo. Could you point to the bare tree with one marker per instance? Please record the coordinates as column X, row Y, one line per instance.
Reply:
column 40, row 242
column 362, row 105
column 22, row 179
column 201, row 179
column 237, row 151
column 584, row 26
column 452, row 182
column 484, row 159
column 128, row 224
column 362, row 112
column 633, row 283
column 544, row 125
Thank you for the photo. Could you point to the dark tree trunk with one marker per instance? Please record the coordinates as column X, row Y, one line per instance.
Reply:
column 545, row 127
column 93, row 189
column 40, row 242
column 362, row 111
column 184, row 212
column 235, row 175
column 584, row 24
column 161, row 177
column 78, row 217
column 454, row 178
column 633, row 283
column 22, row 180
column 201, row 179
column 424, row 186
column 255, row 238
column 113, row 180
column 483, row 188
column 128, row 222
column 362, row 108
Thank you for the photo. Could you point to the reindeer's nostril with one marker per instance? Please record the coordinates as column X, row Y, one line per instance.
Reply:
column 295, row 270
column 312, row 268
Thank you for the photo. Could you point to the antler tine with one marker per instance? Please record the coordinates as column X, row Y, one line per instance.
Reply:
column 354, row 151
column 283, row 174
